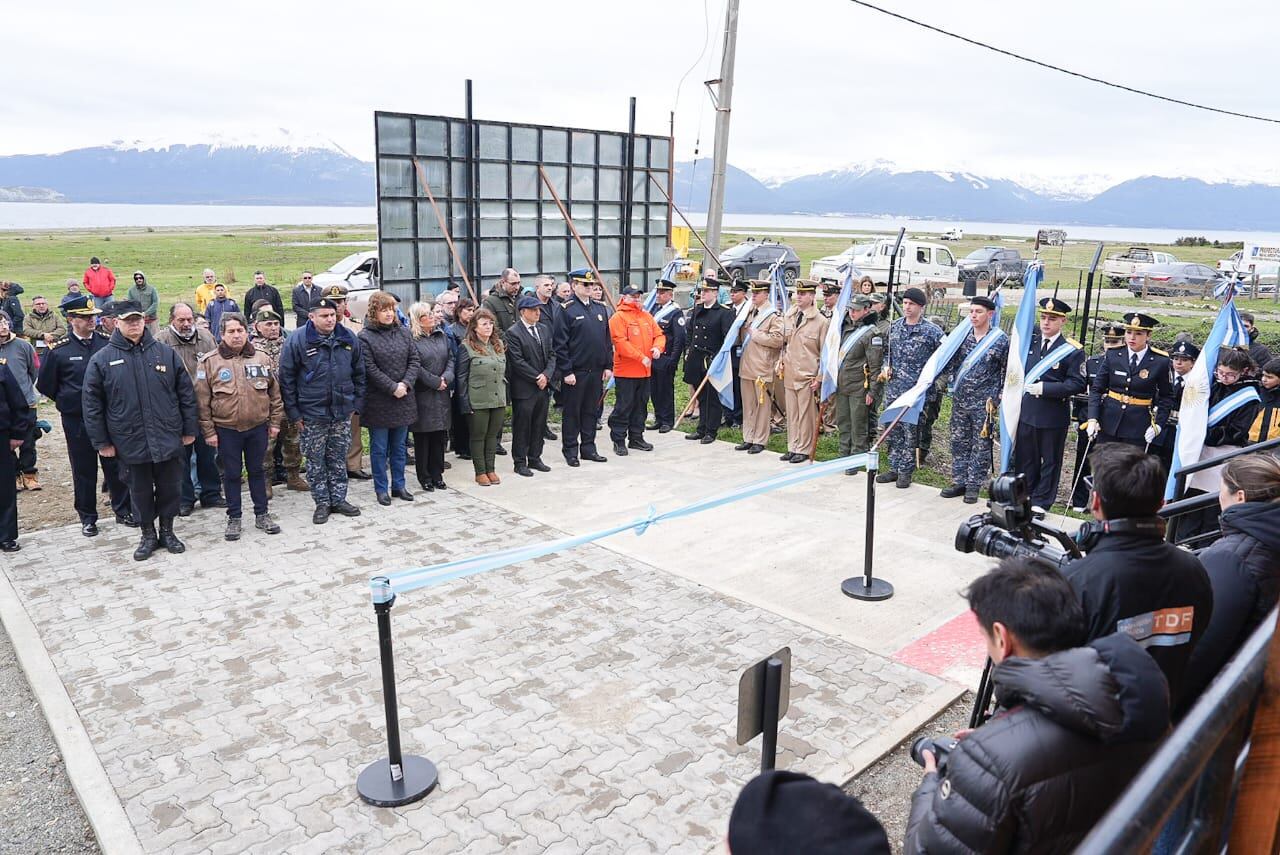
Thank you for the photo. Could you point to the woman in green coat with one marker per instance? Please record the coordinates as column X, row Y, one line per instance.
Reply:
column 481, row 377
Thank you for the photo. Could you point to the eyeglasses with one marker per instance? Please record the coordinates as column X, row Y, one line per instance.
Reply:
column 306, row 277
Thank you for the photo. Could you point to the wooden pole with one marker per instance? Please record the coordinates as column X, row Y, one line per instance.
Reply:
column 817, row 431
column 453, row 250
column 693, row 399
column 577, row 237
column 1257, row 816
column 688, row 224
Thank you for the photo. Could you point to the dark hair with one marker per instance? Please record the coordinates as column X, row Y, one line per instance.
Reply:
column 463, row 303
column 1036, row 603
column 228, row 318
column 258, row 273
column 1128, row 481
column 1247, row 316
column 258, row 304
column 495, row 344
column 1272, row 367
column 1236, row 359
column 94, row 260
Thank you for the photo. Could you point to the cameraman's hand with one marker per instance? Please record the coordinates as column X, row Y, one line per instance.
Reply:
column 1151, row 433
column 1092, row 428
column 930, row 763
column 1035, row 389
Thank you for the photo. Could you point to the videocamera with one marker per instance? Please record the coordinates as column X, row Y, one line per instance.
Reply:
column 941, row 746
column 1010, row 528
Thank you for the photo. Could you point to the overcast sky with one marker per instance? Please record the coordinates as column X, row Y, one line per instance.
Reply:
column 820, row 83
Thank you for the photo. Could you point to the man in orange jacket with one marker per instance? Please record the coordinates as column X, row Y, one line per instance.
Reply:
column 637, row 341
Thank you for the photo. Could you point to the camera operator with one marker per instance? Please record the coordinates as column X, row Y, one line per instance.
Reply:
column 1130, row 580
column 1075, row 724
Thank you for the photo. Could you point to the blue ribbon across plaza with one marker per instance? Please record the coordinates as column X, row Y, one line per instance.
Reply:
column 386, row 586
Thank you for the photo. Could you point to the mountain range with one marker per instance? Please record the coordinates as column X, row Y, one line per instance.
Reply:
column 281, row 168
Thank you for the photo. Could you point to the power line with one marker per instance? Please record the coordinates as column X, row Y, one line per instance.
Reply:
column 1062, row 70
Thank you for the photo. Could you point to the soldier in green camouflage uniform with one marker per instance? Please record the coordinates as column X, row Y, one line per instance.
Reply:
column 269, row 338
column 858, row 382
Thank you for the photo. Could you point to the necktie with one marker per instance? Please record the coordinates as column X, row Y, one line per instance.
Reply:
column 1044, row 348
column 533, row 330
column 1133, row 363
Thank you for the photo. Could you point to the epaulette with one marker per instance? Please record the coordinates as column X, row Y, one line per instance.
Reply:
column 1159, row 351
column 1071, row 341
column 60, row 342
column 201, row 357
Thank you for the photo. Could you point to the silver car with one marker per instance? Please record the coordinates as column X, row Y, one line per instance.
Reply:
column 1179, row 279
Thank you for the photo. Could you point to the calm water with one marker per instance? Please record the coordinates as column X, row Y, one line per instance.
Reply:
column 28, row 215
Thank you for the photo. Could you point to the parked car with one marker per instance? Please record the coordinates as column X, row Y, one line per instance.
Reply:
column 1179, row 279
column 917, row 263
column 360, row 273
column 1121, row 266
column 991, row 265
column 830, row 268
column 952, row 234
column 752, row 259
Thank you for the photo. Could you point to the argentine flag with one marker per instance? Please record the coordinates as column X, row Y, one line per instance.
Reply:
column 1024, row 326
column 720, row 372
column 668, row 273
column 830, row 360
column 778, row 288
column 911, row 402
column 1193, row 413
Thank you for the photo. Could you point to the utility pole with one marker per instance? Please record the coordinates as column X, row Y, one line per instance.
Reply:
column 721, row 92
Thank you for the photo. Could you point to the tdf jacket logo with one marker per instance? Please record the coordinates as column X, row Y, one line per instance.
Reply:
column 1163, row 628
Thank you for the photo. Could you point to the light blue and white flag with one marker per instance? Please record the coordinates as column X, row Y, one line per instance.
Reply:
column 668, row 273
column 1197, row 384
column 720, row 372
column 778, row 287
column 911, row 402
column 1020, row 335
column 831, row 353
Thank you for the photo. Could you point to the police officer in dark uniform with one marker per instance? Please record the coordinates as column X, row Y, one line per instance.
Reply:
column 1132, row 394
column 17, row 420
column 584, row 360
column 1112, row 337
column 662, row 386
column 61, row 379
column 708, row 325
column 1046, row 402
column 1183, row 356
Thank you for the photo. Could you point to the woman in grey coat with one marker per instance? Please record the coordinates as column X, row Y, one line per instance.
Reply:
column 431, row 392
column 391, row 370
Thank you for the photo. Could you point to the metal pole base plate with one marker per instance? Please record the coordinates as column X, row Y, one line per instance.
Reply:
column 858, row 588
column 376, row 787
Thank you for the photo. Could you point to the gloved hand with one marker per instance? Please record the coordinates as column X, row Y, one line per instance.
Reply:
column 1092, row 427
column 1151, row 433
column 1036, row 389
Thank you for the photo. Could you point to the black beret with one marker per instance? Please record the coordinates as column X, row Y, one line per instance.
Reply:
column 985, row 302
column 915, row 295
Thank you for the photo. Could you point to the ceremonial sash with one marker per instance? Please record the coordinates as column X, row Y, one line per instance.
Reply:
column 1049, row 360
column 665, row 311
column 976, row 354
column 853, row 339
column 765, row 313
column 1231, row 403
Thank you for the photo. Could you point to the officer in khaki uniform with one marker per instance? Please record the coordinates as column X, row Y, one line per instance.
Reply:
column 760, row 345
column 858, row 382
column 804, row 329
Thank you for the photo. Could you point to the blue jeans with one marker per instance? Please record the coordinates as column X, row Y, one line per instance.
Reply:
column 380, row 440
column 208, row 474
column 102, row 302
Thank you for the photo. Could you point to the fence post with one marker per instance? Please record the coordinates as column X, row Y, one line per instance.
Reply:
column 1257, row 814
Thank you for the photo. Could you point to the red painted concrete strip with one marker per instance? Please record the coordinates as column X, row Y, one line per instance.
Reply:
column 957, row 643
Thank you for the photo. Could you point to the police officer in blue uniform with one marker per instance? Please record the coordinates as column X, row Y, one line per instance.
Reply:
column 1046, row 402
column 1183, row 356
column 1132, row 394
column 17, row 420
column 584, row 360
column 662, row 386
column 1112, row 337
column 61, row 379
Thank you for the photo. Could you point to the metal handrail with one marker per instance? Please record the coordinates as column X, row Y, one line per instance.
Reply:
column 1265, row 445
column 1137, row 817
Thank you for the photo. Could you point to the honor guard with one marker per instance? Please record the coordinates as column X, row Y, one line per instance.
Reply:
column 804, row 328
column 709, row 323
column 1055, row 372
column 760, row 342
column 61, row 380
column 1112, row 336
column 662, row 388
column 858, row 381
column 1131, row 396
column 1183, row 356
column 977, row 377
column 912, row 340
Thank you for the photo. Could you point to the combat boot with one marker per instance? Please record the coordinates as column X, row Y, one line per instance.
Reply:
column 295, row 481
column 31, row 480
column 148, row 544
column 233, row 528
column 169, row 540
column 952, row 492
column 267, row 523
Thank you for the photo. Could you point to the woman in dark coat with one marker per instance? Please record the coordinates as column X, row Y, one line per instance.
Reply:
column 391, row 370
column 460, row 428
column 435, row 376
column 1243, row 565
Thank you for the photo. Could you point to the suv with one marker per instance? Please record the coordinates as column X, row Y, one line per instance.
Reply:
column 752, row 259
column 991, row 265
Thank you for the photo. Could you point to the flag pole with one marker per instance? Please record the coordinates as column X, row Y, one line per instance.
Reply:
column 577, row 237
column 453, row 250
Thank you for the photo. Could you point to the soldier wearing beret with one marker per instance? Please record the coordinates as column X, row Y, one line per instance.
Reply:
column 912, row 340
column 804, row 329
column 1131, row 396
column 1055, row 373
column 977, row 377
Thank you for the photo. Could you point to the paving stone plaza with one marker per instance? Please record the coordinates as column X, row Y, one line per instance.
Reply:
column 581, row 702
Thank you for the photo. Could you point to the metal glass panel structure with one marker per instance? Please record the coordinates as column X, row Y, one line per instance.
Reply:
column 485, row 180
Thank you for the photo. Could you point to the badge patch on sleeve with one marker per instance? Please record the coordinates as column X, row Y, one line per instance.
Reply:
column 224, row 375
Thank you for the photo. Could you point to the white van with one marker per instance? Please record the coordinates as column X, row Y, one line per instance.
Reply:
column 918, row 262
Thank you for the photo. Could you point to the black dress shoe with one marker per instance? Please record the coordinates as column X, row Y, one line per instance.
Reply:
column 523, row 469
column 384, row 499
column 185, row 509
column 321, row 515
column 536, row 463
column 9, row 546
column 89, row 529
column 464, row 455
column 126, row 520
column 403, row 494
column 755, row 449
column 640, row 445
column 427, row 486
column 619, row 449
column 799, row 458
column 448, row 465
column 786, row 457
column 572, row 461
column 708, row 439
column 742, row 446
column 594, row 457
column 664, row 428
column 216, row 502
column 439, row 484
column 499, row 449
column 694, row 435
column 345, row 508
column 359, row 475
column 548, row 433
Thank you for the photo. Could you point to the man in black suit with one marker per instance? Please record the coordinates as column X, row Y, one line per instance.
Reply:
column 304, row 297
column 1055, row 372
column 531, row 362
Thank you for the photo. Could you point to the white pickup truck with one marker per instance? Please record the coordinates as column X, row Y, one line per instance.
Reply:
column 1121, row 266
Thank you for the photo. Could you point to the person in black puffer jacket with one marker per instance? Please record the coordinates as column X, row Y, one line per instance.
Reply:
column 1243, row 565
column 1074, row 725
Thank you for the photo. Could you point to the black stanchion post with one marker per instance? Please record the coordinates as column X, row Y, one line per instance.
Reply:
column 772, row 698
column 395, row 780
column 869, row 587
